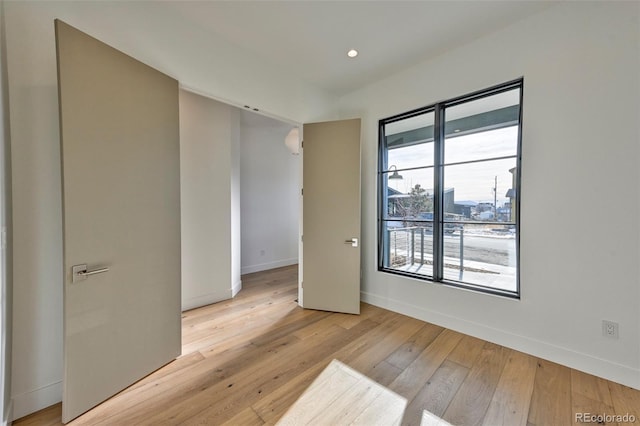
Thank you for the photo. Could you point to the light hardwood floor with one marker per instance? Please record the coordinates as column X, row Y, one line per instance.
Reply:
column 246, row 361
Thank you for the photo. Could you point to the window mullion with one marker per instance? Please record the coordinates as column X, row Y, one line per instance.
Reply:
column 382, row 196
column 438, row 180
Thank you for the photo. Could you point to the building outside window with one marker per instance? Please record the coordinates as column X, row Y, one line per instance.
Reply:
column 448, row 180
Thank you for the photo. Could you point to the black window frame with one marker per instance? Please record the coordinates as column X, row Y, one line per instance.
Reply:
column 438, row 221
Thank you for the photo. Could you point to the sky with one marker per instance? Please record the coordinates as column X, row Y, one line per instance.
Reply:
column 472, row 182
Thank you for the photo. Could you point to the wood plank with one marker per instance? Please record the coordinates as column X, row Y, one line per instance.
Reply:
column 218, row 320
column 179, row 364
column 327, row 390
column 626, row 401
column 409, row 351
column 350, row 404
column 470, row 404
column 319, row 326
column 349, row 320
column 341, row 395
column 430, row 419
column 467, row 351
column 218, row 344
column 590, row 386
column 386, row 409
column 590, row 394
column 512, row 397
column 413, row 378
column 377, row 314
column 289, row 327
column 273, row 405
column 252, row 297
column 246, row 417
column 384, row 373
column 375, row 350
column 551, row 398
column 50, row 416
column 584, row 407
column 205, row 334
column 436, row 395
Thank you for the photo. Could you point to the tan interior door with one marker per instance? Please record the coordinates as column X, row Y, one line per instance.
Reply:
column 121, row 208
column 331, row 216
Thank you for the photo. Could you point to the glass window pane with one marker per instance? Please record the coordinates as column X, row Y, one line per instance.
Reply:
column 483, row 128
column 409, row 142
column 483, row 255
column 410, row 196
column 478, row 146
column 408, row 248
column 481, row 191
column 408, row 157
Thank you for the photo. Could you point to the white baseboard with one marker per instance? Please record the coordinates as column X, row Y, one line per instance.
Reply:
column 32, row 401
column 580, row 361
column 236, row 288
column 8, row 415
column 269, row 265
column 206, row 299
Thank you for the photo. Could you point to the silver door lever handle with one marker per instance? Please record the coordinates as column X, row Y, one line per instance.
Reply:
column 95, row 271
column 80, row 272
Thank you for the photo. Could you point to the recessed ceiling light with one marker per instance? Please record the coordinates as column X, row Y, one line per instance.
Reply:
column 352, row 53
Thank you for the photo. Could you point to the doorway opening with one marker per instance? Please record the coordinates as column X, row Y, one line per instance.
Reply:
column 269, row 194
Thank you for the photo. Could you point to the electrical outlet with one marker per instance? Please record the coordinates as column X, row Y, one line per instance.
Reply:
column 610, row 329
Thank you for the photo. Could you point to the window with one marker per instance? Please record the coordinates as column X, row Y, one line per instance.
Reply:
column 448, row 186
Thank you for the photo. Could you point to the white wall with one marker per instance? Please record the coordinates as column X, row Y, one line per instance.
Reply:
column 153, row 33
column 270, row 188
column 580, row 199
column 209, row 169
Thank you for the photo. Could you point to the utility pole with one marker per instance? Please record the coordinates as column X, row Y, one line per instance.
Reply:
column 495, row 198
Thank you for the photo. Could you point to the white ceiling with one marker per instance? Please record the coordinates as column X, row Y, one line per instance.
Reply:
column 310, row 39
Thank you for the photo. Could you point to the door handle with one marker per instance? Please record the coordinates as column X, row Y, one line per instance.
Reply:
column 80, row 272
column 352, row 241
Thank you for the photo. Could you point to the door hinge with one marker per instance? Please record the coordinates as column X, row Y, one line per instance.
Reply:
column 302, row 238
column 301, row 144
column 302, row 191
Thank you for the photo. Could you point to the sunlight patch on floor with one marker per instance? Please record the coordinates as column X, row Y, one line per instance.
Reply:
column 430, row 419
column 341, row 396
